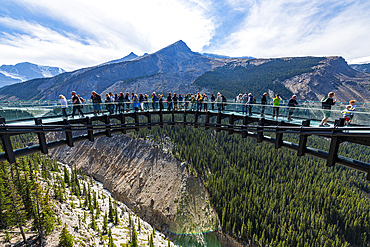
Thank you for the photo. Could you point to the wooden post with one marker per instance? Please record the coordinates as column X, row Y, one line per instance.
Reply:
column 261, row 123
column 68, row 132
column 303, row 139
column 231, row 123
column 90, row 133
column 279, row 136
column 7, row 144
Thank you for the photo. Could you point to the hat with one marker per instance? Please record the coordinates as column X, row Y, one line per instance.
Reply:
column 179, row 94
column 73, row 92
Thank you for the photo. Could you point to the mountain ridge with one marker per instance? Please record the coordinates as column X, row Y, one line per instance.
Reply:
column 10, row 74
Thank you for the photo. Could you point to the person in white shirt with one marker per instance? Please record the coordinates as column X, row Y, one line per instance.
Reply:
column 63, row 103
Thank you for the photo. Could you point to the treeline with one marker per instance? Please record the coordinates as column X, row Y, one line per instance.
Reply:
column 234, row 79
column 272, row 197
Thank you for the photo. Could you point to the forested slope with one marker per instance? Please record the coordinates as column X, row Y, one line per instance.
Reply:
column 269, row 196
column 233, row 78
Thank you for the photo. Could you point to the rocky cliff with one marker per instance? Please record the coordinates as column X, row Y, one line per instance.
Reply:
column 332, row 75
column 149, row 181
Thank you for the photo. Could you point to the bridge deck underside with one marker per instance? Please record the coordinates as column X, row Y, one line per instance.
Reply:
column 262, row 129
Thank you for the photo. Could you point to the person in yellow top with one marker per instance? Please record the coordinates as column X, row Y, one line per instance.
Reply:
column 199, row 102
column 275, row 106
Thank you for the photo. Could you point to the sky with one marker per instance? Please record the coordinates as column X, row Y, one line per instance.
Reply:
column 73, row 34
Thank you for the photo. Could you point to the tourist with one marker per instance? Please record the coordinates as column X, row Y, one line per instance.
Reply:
column 199, row 102
column 175, row 99
column 112, row 102
column 63, row 103
column 154, row 101
column 108, row 103
column 353, row 109
column 181, row 99
column 263, row 103
column 238, row 101
column 127, row 100
column 169, row 102
column 135, row 102
column 213, row 98
column 244, row 102
column 121, row 99
column 347, row 114
column 292, row 103
column 193, row 103
column 146, row 102
column 205, row 102
column 76, row 102
column 219, row 102
column 96, row 99
column 141, row 101
column 224, row 102
column 116, row 99
column 161, row 102
column 251, row 101
column 276, row 106
column 326, row 104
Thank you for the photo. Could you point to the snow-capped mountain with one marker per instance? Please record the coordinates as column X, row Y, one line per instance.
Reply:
column 10, row 74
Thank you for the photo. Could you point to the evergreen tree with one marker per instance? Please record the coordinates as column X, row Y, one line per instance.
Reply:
column 151, row 243
column 110, row 243
column 134, row 242
column 65, row 238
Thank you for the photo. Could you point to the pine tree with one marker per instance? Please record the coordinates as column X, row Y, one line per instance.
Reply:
column 116, row 218
column 151, row 243
column 93, row 223
column 66, row 239
column 110, row 212
column 110, row 243
column 134, row 242
column 66, row 177
column 105, row 223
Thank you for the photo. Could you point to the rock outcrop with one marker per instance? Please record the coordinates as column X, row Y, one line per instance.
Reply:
column 143, row 177
column 332, row 75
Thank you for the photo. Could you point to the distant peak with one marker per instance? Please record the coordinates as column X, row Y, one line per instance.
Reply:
column 178, row 46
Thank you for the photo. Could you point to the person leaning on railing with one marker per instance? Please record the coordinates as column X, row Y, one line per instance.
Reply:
column 292, row 103
column 326, row 104
column 263, row 103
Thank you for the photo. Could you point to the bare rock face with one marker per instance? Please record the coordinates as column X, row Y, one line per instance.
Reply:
column 143, row 177
column 332, row 75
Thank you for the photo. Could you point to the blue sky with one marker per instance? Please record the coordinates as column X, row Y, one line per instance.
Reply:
column 78, row 33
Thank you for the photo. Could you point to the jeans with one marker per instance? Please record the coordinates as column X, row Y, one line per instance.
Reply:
column 77, row 108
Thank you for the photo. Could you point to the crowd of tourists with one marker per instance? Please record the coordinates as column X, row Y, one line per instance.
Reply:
column 120, row 102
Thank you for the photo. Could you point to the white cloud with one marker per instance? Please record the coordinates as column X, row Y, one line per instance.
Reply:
column 298, row 28
column 108, row 29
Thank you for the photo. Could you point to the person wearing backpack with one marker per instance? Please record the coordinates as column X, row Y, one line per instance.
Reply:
column 76, row 102
column 251, row 101
column 263, row 103
column 326, row 104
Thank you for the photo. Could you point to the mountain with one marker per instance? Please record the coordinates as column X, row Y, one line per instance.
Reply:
column 223, row 56
column 361, row 67
column 172, row 68
column 310, row 78
column 176, row 68
column 129, row 57
column 10, row 74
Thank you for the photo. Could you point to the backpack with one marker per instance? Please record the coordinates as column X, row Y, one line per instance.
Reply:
column 325, row 99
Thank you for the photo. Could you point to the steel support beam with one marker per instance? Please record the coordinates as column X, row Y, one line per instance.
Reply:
column 41, row 136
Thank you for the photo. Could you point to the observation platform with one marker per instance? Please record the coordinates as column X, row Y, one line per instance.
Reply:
column 42, row 117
